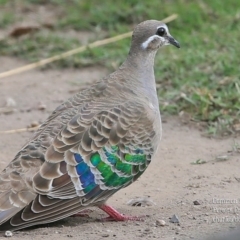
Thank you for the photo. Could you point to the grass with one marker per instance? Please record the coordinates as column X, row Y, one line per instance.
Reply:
column 202, row 78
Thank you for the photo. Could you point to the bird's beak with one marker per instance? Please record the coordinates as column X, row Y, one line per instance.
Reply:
column 172, row 41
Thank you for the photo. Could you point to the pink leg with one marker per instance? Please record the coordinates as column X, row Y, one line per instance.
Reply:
column 83, row 213
column 114, row 215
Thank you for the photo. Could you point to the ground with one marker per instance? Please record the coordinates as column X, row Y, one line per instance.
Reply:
column 173, row 181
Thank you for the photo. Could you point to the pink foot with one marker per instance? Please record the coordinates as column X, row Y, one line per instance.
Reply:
column 83, row 213
column 114, row 215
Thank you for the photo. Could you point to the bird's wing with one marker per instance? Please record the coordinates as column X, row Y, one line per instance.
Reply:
column 77, row 159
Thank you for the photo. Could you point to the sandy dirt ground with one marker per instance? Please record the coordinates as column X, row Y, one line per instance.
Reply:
column 204, row 197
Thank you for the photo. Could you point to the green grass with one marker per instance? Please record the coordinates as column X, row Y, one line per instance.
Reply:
column 202, row 78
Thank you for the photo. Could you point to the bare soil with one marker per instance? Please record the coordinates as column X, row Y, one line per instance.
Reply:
column 172, row 181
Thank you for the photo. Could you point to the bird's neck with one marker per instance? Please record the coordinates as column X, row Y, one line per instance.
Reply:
column 139, row 71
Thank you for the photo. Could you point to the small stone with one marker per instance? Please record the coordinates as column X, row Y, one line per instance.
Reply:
column 160, row 222
column 105, row 235
column 41, row 106
column 10, row 102
column 222, row 158
column 34, row 124
column 174, row 219
column 196, row 202
column 141, row 202
column 9, row 106
column 8, row 234
column 178, row 229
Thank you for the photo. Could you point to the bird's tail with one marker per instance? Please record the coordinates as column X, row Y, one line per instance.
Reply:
column 7, row 210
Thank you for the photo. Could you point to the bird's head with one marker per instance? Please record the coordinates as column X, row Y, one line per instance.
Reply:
column 151, row 35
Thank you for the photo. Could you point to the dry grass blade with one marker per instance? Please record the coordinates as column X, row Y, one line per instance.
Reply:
column 74, row 51
column 6, row 110
column 19, row 130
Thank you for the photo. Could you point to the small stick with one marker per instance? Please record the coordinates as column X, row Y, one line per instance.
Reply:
column 75, row 51
column 19, row 130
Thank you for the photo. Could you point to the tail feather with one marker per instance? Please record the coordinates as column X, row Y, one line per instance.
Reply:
column 53, row 213
column 7, row 214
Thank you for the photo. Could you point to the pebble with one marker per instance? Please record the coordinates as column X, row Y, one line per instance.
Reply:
column 160, row 222
column 105, row 235
column 8, row 234
column 222, row 158
column 41, row 106
column 141, row 202
column 196, row 202
column 34, row 124
column 177, row 230
column 174, row 219
column 10, row 102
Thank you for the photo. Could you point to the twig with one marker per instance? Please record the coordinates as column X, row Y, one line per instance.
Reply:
column 74, row 51
column 6, row 110
column 19, row 130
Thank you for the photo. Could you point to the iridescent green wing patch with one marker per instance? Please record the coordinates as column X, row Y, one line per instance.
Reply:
column 115, row 172
column 110, row 178
column 135, row 158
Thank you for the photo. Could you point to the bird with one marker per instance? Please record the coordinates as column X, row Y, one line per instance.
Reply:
column 95, row 143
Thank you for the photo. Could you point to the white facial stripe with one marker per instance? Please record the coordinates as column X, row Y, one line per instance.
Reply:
column 149, row 40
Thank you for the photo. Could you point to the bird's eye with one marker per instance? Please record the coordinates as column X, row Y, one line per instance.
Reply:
column 161, row 31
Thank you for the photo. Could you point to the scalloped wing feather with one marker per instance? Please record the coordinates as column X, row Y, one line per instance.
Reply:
column 86, row 151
